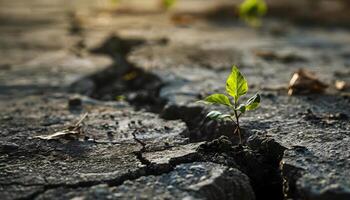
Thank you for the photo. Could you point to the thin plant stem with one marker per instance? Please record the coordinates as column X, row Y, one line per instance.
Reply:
column 238, row 127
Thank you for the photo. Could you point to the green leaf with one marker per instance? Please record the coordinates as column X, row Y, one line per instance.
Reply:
column 217, row 115
column 213, row 114
column 253, row 102
column 242, row 108
column 217, row 99
column 236, row 84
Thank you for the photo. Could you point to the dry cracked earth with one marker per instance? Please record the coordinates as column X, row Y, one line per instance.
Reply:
column 137, row 74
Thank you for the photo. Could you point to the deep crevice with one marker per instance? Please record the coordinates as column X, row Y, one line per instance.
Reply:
column 290, row 176
column 122, row 80
column 259, row 160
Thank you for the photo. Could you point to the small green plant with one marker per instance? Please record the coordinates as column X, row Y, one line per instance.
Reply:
column 236, row 86
column 252, row 10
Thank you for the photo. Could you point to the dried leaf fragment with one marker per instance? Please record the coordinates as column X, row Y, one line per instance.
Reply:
column 57, row 135
column 72, row 132
column 305, row 82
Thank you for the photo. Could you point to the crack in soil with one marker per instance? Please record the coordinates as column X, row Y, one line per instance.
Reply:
column 149, row 169
column 260, row 160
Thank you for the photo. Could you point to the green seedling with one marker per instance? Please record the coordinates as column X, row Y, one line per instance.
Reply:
column 236, row 87
column 252, row 10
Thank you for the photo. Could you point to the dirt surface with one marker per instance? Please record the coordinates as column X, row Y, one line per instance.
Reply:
column 137, row 74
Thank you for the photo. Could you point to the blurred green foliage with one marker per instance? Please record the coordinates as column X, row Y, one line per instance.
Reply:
column 167, row 4
column 252, row 10
column 115, row 2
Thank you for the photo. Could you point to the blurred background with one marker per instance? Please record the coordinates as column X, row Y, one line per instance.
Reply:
column 57, row 34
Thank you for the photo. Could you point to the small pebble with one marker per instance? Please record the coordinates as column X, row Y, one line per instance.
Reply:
column 74, row 103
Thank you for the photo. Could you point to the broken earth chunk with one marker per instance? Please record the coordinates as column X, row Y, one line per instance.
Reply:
column 305, row 82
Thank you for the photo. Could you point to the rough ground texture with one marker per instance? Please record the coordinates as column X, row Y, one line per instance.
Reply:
column 137, row 73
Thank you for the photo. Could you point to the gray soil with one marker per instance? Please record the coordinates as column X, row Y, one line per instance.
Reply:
column 137, row 74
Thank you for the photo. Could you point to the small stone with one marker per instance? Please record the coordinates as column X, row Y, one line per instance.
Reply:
column 75, row 103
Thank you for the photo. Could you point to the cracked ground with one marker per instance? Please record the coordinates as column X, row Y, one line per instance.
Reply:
column 137, row 72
